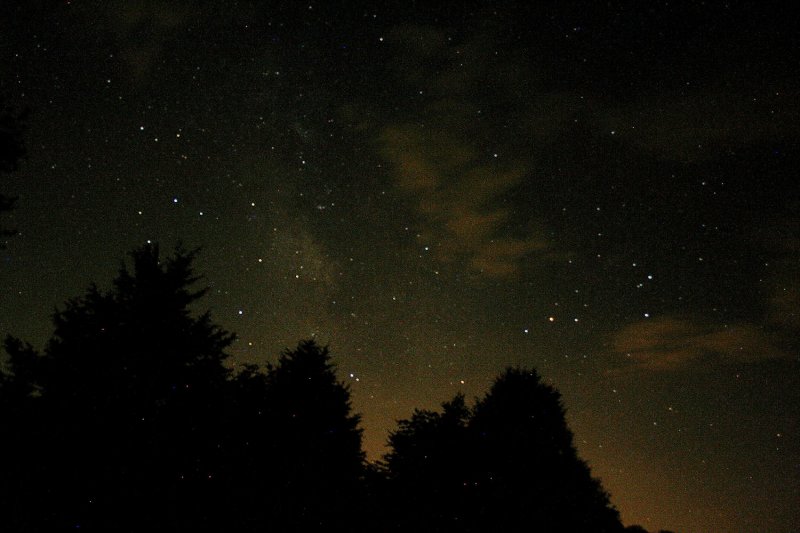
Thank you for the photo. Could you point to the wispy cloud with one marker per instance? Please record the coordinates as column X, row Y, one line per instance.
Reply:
column 673, row 342
column 441, row 158
column 459, row 192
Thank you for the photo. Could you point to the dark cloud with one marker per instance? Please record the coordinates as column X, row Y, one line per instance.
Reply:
column 141, row 29
column 702, row 123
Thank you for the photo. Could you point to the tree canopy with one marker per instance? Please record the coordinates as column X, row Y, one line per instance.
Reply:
column 507, row 464
column 131, row 419
column 131, row 416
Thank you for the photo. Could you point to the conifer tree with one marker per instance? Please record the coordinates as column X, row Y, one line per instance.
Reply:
column 316, row 456
column 124, row 408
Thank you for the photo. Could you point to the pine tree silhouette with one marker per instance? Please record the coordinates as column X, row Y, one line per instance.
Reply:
column 317, row 461
column 124, row 408
column 130, row 420
column 429, row 470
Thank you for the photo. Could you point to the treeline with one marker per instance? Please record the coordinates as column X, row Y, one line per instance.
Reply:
column 130, row 419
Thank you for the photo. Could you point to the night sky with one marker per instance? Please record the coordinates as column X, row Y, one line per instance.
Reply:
column 605, row 191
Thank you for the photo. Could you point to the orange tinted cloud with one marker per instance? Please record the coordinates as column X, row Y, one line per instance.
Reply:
column 458, row 192
column 671, row 343
column 442, row 154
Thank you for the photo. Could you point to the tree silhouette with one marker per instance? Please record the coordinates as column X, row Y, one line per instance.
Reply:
column 123, row 411
column 507, row 465
column 429, row 470
column 19, row 450
column 317, row 461
column 533, row 473
column 129, row 420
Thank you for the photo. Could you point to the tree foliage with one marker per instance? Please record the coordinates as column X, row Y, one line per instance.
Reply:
column 130, row 419
column 429, row 469
column 128, row 399
column 319, row 459
column 507, row 464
